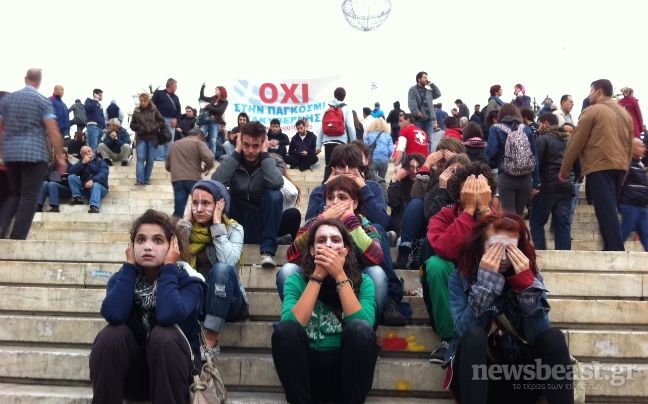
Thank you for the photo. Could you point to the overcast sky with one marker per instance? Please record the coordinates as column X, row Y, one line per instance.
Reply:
column 551, row 47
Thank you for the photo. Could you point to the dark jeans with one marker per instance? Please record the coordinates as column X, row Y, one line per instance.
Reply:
column 261, row 225
column 120, row 370
column 310, row 376
column 223, row 299
column 328, row 152
column 25, row 181
column 549, row 347
column 559, row 206
column 301, row 162
column 605, row 187
column 394, row 285
column 413, row 225
column 514, row 192
column 634, row 218
column 181, row 192
column 290, row 222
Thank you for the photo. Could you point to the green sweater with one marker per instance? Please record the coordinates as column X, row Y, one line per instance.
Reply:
column 323, row 329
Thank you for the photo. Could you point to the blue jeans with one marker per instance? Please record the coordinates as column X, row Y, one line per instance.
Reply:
column 94, row 134
column 164, row 149
column 261, row 225
column 53, row 190
column 426, row 126
column 215, row 139
column 229, row 148
column 379, row 167
column 374, row 272
column 181, row 191
column 95, row 194
column 223, row 299
column 559, row 205
column 146, row 150
column 634, row 218
column 413, row 224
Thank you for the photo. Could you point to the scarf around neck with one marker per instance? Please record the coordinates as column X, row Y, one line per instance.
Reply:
column 145, row 298
column 201, row 237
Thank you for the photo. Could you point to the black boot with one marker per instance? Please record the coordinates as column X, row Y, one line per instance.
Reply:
column 403, row 256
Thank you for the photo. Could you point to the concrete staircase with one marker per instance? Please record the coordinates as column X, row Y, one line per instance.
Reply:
column 52, row 286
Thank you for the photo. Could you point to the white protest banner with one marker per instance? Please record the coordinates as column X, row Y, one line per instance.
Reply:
column 287, row 100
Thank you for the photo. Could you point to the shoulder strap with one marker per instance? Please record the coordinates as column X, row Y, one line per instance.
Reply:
column 504, row 321
column 376, row 141
column 185, row 337
column 618, row 114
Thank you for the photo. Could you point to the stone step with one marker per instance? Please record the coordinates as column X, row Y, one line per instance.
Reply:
column 13, row 393
column 604, row 345
column 93, row 251
column 267, row 305
column 257, row 371
column 574, row 284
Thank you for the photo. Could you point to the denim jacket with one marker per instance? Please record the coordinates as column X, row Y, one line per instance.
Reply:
column 476, row 302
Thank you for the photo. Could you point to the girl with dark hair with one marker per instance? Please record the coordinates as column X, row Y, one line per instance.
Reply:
column 500, row 310
column 399, row 193
column 324, row 349
column 75, row 145
column 215, row 247
column 151, row 307
column 146, row 123
column 514, row 190
column 473, row 139
column 217, row 104
column 343, row 202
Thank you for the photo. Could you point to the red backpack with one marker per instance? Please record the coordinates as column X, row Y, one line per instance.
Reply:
column 333, row 121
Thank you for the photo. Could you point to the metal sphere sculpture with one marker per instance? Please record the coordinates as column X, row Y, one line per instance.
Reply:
column 366, row 15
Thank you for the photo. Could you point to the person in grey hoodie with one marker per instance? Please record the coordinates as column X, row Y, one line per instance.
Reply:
column 329, row 142
column 255, row 179
column 420, row 101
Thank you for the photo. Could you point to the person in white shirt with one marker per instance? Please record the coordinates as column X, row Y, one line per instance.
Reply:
column 564, row 113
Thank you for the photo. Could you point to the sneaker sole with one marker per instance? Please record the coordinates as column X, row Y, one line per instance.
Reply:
column 268, row 265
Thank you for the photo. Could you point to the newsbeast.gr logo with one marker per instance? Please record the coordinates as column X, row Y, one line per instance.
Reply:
column 616, row 375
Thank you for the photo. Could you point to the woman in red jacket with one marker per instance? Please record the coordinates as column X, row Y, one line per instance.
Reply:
column 631, row 104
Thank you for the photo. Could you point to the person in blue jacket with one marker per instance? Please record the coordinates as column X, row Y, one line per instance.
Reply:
column 500, row 311
column 115, row 145
column 151, row 344
column 514, row 190
column 88, row 178
column 96, row 125
column 61, row 111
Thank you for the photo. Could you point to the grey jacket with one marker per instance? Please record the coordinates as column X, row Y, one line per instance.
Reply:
column 414, row 100
column 245, row 188
column 227, row 243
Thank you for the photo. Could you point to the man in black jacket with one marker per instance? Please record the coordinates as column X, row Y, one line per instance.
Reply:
column 187, row 122
column 277, row 139
column 555, row 196
column 167, row 102
column 301, row 152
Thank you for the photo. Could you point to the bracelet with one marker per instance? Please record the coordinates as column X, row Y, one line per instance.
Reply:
column 317, row 279
column 484, row 211
column 339, row 285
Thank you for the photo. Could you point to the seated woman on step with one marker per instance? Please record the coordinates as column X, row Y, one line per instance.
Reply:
column 324, row 348
column 150, row 303
column 500, row 310
column 344, row 203
column 215, row 247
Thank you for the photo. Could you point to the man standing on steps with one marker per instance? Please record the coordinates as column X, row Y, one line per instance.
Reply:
column 25, row 117
column 61, row 111
column 633, row 201
column 420, row 101
column 96, row 120
column 169, row 106
column 255, row 179
column 603, row 140
column 187, row 160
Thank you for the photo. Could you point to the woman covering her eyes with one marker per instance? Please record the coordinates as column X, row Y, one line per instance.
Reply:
column 500, row 310
column 150, row 303
column 215, row 248
column 324, row 348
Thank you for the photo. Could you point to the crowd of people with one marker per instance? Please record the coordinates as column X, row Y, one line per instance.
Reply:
column 455, row 201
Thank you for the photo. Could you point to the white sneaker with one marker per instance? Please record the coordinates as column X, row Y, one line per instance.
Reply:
column 267, row 261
